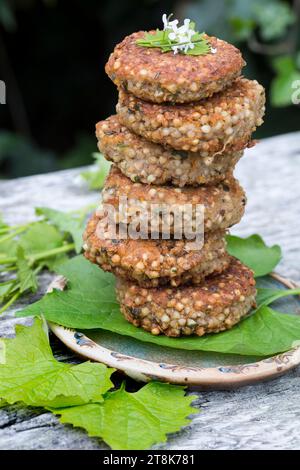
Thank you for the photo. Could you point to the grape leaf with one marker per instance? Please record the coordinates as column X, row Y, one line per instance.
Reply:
column 90, row 302
column 30, row 374
column 133, row 421
column 66, row 223
column 26, row 276
column 253, row 252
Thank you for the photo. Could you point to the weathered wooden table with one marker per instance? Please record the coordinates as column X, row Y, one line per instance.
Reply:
column 264, row 416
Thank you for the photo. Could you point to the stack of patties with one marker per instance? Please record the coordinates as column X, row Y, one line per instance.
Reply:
column 182, row 124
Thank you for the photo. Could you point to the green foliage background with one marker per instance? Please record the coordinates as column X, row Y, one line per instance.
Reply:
column 53, row 52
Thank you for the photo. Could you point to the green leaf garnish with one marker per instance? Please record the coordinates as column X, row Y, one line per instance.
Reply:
column 201, row 44
column 98, row 308
column 30, row 374
column 133, row 421
column 253, row 252
column 183, row 39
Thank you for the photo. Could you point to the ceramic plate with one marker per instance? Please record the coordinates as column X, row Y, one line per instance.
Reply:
column 145, row 361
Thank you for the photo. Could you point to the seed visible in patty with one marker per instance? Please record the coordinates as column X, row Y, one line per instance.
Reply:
column 157, row 77
column 155, row 262
column 216, row 305
column 223, row 204
column 146, row 162
column 222, row 123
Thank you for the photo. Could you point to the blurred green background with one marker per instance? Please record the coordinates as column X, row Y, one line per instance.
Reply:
column 53, row 52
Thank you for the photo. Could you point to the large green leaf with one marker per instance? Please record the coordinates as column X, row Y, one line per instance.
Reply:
column 253, row 252
column 42, row 237
column 30, row 374
column 133, row 421
column 268, row 296
column 90, row 302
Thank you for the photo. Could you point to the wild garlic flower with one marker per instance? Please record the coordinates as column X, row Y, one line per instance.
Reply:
column 176, row 38
column 182, row 34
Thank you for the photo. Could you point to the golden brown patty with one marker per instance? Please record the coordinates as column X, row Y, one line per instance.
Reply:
column 146, row 162
column 156, row 76
column 223, row 122
column 215, row 306
column 223, row 204
column 155, row 262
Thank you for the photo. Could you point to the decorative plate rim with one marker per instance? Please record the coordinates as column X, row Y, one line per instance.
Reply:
column 204, row 377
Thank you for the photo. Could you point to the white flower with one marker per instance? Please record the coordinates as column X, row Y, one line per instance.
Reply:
column 186, row 24
column 165, row 21
column 182, row 35
column 169, row 24
column 213, row 50
column 172, row 36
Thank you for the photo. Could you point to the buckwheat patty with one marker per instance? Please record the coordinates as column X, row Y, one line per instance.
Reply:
column 155, row 76
column 223, row 204
column 221, row 123
column 146, row 162
column 154, row 262
column 215, row 306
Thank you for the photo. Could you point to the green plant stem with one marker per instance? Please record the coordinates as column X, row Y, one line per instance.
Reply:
column 159, row 43
column 8, row 268
column 170, row 43
column 6, row 283
column 17, row 231
column 10, row 302
column 14, row 289
column 9, row 228
column 38, row 269
column 44, row 254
